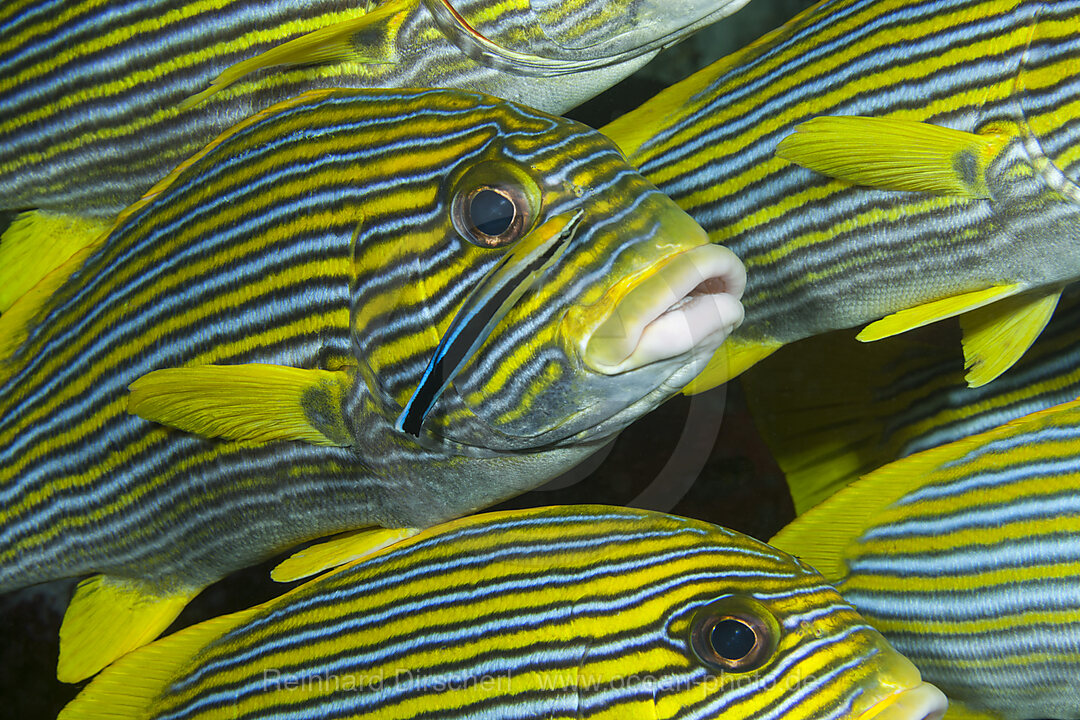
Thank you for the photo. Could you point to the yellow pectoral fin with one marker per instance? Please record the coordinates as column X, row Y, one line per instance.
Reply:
column 256, row 403
column 911, row 318
column 996, row 336
column 730, row 359
column 129, row 688
column 894, row 154
column 37, row 243
column 340, row 42
column 338, row 551
column 110, row 617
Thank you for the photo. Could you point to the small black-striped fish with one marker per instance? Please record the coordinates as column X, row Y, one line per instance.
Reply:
column 941, row 151
column 357, row 308
column 569, row 612
column 967, row 558
column 100, row 99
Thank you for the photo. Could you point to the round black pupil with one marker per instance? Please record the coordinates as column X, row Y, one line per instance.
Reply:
column 731, row 639
column 491, row 212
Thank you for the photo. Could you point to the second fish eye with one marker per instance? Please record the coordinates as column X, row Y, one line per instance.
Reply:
column 491, row 215
column 733, row 634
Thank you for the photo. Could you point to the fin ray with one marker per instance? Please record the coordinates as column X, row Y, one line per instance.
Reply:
column 997, row 335
column 920, row 315
column 108, row 618
column 331, row 44
column 894, row 154
column 338, row 551
column 254, row 402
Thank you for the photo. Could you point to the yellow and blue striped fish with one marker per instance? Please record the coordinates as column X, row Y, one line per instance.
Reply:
column 99, row 100
column 566, row 612
column 831, row 412
column 967, row 558
column 898, row 161
column 358, row 308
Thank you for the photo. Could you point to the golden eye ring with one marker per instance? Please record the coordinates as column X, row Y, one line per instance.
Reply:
column 734, row 634
column 491, row 215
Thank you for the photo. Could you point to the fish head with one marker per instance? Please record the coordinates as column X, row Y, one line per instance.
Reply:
column 546, row 294
column 550, row 38
column 743, row 630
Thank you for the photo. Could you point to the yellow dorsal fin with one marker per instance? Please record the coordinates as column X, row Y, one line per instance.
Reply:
column 15, row 323
column 110, row 617
column 257, row 403
column 894, row 154
column 911, row 318
column 128, row 689
column 996, row 336
column 338, row 551
column 821, row 535
column 335, row 43
column 35, row 244
column 729, row 360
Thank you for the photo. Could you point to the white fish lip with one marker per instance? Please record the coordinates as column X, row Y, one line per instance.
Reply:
column 922, row 702
column 687, row 301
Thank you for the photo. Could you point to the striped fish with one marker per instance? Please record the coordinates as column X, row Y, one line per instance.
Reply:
column 897, row 161
column 99, row 100
column 831, row 412
column 567, row 612
column 967, row 558
column 357, row 308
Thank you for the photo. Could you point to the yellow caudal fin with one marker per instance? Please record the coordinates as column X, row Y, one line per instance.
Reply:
column 338, row 550
column 824, row 405
column 920, row 315
column 252, row 403
column 730, row 360
column 128, row 689
column 110, row 617
column 894, row 154
column 997, row 335
column 364, row 39
column 35, row 244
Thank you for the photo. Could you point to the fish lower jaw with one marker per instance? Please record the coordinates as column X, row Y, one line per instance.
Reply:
column 690, row 303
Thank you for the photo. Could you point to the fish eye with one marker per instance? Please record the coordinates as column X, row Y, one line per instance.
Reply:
column 491, row 215
column 734, row 634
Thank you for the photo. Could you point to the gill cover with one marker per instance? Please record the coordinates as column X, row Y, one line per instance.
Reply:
column 482, row 310
column 551, row 37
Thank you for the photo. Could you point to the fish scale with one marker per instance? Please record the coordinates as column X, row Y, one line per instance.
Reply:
column 219, row 377
column 97, row 97
column 965, row 557
column 829, row 249
column 575, row 612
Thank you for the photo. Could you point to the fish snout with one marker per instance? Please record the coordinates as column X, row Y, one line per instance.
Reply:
column 922, row 702
column 684, row 302
column 906, row 696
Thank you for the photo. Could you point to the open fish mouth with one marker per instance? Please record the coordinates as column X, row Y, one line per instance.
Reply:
column 687, row 301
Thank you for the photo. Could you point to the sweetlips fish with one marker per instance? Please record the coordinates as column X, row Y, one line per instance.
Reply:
column 354, row 309
column 891, row 162
column 831, row 411
column 100, row 99
column 561, row 612
column 966, row 557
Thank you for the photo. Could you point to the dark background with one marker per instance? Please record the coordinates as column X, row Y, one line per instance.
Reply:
column 699, row 457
